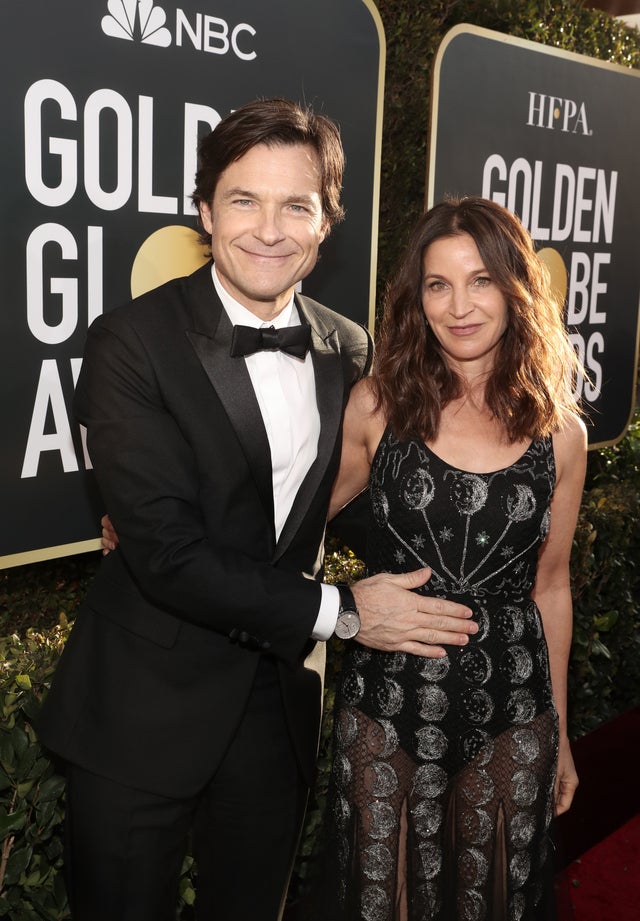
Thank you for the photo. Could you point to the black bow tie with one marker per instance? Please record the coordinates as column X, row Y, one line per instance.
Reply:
column 294, row 340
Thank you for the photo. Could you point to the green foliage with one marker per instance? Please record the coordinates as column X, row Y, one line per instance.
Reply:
column 31, row 793
column 618, row 463
column 40, row 593
column 604, row 673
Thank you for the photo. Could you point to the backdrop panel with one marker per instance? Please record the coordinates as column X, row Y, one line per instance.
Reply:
column 554, row 136
column 103, row 106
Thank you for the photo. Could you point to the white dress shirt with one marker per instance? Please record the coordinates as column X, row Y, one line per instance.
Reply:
column 285, row 388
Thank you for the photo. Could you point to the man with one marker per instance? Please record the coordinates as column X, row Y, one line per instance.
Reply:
column 187, row 698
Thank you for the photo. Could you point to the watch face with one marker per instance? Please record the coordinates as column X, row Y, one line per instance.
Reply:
column 348, row 625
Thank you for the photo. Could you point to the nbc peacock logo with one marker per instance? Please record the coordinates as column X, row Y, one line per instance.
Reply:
column 137, row 21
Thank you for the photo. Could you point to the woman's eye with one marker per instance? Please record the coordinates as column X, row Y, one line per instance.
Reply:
column 482, row 281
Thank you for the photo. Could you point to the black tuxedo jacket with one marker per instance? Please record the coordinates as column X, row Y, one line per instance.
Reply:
column 162, row 655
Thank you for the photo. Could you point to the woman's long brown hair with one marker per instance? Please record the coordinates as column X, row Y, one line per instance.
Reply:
column 530, row 390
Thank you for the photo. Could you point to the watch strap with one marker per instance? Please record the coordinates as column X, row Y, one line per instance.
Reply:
column 347, row 601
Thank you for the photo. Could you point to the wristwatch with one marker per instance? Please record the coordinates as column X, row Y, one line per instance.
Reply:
column 348, row 623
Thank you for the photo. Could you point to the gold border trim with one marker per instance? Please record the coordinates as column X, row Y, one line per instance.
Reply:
column 49, row 553
column 377, row 162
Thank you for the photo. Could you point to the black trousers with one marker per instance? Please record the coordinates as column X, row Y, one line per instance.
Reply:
column 125, row 847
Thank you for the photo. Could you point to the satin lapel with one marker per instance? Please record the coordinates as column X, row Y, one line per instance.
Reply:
column 327, row 368
column 211, row 340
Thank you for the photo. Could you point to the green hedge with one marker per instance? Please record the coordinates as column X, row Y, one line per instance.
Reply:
column 604, row 674
column 31, row 793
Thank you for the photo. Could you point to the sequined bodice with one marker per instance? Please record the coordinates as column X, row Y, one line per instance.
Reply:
column 479, row 533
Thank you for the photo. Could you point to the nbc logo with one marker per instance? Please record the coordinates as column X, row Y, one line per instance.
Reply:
column 141, row 21
column 137, row 20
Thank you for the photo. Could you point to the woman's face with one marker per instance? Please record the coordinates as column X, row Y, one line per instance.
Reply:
column 463, row 305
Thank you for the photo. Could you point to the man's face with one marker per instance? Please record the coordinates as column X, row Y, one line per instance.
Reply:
column 266, row 224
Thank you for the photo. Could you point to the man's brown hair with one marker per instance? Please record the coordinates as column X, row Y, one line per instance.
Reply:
column 272, row 122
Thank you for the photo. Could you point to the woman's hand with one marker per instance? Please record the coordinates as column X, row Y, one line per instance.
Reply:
column 566, row 778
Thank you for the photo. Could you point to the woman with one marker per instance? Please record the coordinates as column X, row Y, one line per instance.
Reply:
column 447, row 771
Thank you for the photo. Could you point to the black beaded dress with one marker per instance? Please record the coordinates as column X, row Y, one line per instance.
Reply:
column 441, row 794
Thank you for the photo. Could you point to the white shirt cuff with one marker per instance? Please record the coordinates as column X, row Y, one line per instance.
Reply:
column 328, row 613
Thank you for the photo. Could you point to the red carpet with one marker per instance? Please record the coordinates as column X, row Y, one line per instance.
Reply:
column 604, row 883
column 608, row 765
column 599, row 838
